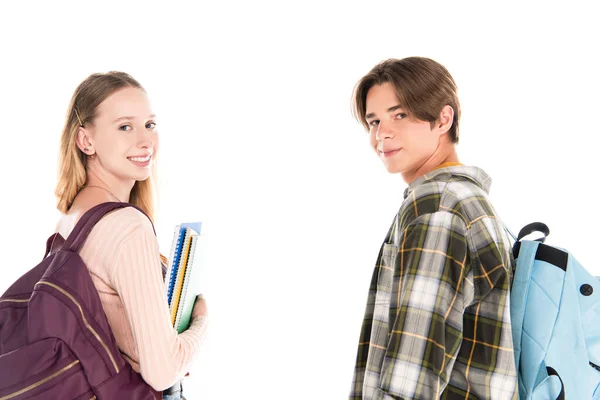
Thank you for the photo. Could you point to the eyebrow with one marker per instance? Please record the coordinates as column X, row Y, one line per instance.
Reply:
column 394, row 108
column 130, row 118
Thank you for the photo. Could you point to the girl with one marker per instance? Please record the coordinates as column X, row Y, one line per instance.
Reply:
column 108, row 154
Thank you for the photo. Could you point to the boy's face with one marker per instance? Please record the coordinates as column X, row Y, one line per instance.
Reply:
column 404, row 144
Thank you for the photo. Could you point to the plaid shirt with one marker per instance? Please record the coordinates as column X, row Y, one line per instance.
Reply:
column 437, row 323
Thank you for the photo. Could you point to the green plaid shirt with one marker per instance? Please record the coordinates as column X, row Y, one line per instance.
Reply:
column 437, row 323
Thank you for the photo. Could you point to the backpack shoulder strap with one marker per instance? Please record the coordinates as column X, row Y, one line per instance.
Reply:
column 525, row 258
column 53, row 243
column 87, row 222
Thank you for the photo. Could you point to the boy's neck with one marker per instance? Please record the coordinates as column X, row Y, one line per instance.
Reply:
column 446, row 153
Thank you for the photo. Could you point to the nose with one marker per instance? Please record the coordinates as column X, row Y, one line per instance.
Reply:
column 384, row 131
column 145, row 139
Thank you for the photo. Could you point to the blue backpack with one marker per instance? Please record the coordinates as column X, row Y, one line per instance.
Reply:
column 555, row 312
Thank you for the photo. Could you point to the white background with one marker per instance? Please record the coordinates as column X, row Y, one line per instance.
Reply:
column 257, row 140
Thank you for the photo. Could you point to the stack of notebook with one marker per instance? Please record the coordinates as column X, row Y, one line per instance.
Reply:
column 181, row 280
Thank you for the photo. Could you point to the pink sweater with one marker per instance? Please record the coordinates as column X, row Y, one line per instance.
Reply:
column 122, row 256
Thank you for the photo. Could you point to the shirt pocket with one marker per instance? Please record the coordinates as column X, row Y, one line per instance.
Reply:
column 385, row 273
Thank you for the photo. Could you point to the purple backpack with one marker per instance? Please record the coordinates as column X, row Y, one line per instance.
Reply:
column 55, row 341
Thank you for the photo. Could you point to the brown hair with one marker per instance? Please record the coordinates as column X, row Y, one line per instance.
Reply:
column 72, row 161
column 423, row 87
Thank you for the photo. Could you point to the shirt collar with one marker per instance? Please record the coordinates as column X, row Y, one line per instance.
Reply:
column 445, row 173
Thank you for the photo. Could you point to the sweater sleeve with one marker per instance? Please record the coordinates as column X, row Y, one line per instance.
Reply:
column 164, row 356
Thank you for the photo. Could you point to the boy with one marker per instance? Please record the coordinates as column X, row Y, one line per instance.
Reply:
column 437, row 322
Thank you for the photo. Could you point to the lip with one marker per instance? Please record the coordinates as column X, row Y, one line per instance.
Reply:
column 389, row 153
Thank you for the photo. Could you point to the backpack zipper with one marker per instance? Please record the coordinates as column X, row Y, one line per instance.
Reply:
column 43, row 282
column 14, row 301
column 38, row 383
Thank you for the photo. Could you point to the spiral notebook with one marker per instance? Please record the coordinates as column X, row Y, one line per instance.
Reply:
column 181, row 280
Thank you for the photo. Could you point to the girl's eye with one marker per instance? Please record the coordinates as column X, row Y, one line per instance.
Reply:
column 125, row 128
column 151, row 125
column 400, row 116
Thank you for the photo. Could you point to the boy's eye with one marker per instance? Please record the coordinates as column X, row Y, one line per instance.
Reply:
column 400, row 116
column 374, row 122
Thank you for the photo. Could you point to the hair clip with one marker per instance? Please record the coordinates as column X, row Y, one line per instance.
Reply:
column 78, row 119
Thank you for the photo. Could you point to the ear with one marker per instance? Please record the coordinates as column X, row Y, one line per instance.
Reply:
column 82, row 139
column 445, row 120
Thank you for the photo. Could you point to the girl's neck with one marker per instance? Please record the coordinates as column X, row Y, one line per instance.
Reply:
column 120, row 190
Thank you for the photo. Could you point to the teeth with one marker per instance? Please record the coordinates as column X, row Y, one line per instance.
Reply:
column 139, row 159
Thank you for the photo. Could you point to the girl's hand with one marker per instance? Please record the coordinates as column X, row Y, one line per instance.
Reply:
column 200, row 309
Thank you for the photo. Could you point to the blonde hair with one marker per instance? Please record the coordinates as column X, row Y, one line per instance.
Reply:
column 72, row 174
column 422, row 85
